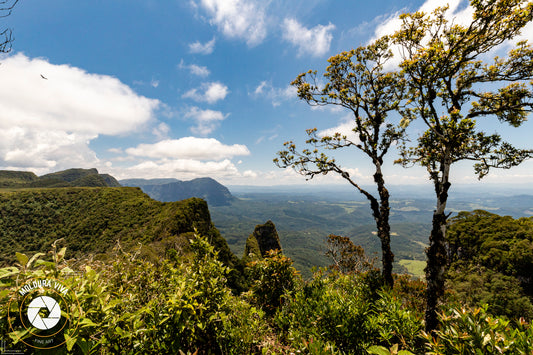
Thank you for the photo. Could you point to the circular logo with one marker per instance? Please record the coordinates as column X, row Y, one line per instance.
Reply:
column 41, row 303
column 43, row 313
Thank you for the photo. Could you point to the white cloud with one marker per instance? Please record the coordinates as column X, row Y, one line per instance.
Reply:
column 277, row 95
column 189, row 148
column 115, row 150
column 182, row 168
column 48, row 123
column 208, row 92
column 244, row 19
column 206, row 120
column 161, row 130
column 42, row 150
column 202, row 48
column 195, row 69
column 345, row 128
column 250, row 174
column 199, row 70
column 314, row 41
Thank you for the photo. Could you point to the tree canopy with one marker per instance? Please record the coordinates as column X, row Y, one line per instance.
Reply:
column 451, row 85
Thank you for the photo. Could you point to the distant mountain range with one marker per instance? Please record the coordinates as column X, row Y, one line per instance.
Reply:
column 167, row 190
column 65, row 178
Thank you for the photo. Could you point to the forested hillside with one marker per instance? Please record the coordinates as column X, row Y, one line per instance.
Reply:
column 66, row 178
column 94, row 220
column 491, row 262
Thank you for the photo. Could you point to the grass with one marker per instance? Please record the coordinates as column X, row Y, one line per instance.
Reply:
column 414, row 267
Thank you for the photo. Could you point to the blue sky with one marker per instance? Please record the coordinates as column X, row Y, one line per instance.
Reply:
column 187, row 89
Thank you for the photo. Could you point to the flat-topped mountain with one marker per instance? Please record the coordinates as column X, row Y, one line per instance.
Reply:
column 167, row 190
column 65, row 178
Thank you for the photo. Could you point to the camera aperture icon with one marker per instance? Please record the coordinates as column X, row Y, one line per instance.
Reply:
column 34, row 312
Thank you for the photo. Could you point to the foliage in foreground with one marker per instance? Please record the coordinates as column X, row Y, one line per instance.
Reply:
column 135, row 306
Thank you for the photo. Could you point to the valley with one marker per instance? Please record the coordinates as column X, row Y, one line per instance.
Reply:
column 304, row 217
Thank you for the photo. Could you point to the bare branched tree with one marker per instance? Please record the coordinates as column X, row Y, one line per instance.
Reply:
column 6, row 7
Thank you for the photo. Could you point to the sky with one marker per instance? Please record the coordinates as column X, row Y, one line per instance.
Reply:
column 186, row 89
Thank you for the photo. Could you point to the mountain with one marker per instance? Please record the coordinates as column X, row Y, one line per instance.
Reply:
column 65, row 178
column 9, row 178
column 167, row 190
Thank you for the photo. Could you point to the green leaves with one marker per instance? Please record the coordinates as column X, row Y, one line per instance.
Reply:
column 473, row 331
column 381, row 350
column 22, row 259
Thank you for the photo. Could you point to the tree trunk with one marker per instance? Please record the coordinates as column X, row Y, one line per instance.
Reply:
column 380, row 212
column 436, row 253
column 384, row 228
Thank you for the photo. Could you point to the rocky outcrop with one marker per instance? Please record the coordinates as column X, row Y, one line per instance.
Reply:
column 261, row 241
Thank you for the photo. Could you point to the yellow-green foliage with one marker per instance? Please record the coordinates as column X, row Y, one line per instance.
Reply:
column 135, row 306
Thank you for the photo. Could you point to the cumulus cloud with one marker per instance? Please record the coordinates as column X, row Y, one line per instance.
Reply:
column 202, row 48
column 345, row 128
column 43, row 150
column 47, row 123
column 195, row 69
column 276, row 95
column 161, row 130
column 314, row 41
column 208, row 92
column 206, row 120
column 189, row 148
column 243, row 19
column 182, row 168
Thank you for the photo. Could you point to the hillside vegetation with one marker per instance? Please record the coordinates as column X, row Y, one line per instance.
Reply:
column 94, row 220
column 66, row 178
column 491, row 262
column 184, row 306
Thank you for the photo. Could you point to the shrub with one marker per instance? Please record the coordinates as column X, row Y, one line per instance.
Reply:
column 474, row 331
column 271, row 279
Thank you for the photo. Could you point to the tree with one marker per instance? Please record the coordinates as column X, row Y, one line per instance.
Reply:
column 450, row 87
column 357, row 82
column 6, row 6
column 346, row 256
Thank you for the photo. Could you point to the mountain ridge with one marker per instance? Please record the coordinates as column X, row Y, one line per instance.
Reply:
column 75, row 177
column 167, row 190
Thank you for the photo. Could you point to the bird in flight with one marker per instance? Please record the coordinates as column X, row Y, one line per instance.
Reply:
column 45, row 78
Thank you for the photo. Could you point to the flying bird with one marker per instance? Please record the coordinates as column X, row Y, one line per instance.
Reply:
column 45, row 78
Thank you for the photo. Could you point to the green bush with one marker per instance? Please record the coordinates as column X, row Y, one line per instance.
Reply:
column 135, row 306
column 347, row 313
column 184, row 305
column 474, row 331
column 271, row 279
